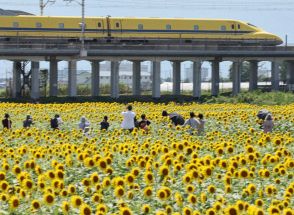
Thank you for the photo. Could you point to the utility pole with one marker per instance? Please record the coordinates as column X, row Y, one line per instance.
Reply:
column 83, row 51
column 43, row 5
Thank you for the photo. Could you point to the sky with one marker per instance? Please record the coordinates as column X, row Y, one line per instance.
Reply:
column 275, row 16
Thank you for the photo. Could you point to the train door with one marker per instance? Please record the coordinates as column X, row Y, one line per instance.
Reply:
column 108, row 27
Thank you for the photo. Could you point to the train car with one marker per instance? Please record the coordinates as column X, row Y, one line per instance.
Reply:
column 132, row 30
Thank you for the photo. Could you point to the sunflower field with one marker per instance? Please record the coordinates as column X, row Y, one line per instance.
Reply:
column 234, row 168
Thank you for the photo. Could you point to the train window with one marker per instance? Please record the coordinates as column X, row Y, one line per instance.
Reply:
column 117, row 25
column 61, row 25
column 15, row 24
column 223, row 28
column 99, row 24
column 196, row 27
column 233, row 26
column 140, row 27
column 38, row 25
column 168, row 27
column 239, row 26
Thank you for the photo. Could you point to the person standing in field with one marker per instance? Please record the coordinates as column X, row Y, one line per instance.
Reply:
column 268, row 124
column 6, row 122
column 128, row 122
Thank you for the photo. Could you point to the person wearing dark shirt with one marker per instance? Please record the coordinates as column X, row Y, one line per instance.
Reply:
column 104, row 124
column 144, row 123
column 28, row 122
column 6, row 122
column 54, row 122
column 176, row 118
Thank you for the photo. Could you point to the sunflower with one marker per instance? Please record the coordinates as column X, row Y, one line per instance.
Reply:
column 187, row 211
column 35, row 205
column 129, row 178
column 48, row 198
column 85, row 209
column 161, row 194
column 101, row 208
column 65, row 207
column 14, row 202
column 119, row 191
column 211, row 189
column 231, row 210
column 146, row 209
column 94, row 178
column 97, row 198
column 148, row 177
column 71, row 189
column 211, row 211
column 76, row 201
column 164, row 171
column 148, row 192
column 125, row 211
column 2, row 176
column 192, row 199
column 243, row 173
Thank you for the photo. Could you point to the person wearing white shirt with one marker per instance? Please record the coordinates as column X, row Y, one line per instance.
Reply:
column 129, row 119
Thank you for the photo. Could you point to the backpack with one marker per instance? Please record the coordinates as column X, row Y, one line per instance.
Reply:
column 54, row 123
column 180, row 120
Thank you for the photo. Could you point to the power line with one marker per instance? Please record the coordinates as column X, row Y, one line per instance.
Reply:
column 271, row 5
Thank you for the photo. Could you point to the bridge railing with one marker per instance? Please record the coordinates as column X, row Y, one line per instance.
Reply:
column 51, row 45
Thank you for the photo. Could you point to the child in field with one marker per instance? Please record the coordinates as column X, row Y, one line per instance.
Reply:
column 104, row 124
column 6, row 122
column 201, row 124
column 28, row 122
column 144, row 123
column 84, row 124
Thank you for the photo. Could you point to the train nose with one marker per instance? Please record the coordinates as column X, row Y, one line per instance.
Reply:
column 278, row 40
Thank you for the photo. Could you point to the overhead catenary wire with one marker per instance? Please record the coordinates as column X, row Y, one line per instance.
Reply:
column 270, row 5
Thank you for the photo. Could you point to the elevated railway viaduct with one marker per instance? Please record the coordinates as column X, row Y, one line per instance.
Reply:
column 176, row 53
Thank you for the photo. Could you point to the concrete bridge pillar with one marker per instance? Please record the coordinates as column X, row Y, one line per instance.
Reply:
column 114, row 79
column 95, row 78
column 177, row 78
column 237, row 66
column 156, row 79
column 35, row 90
column 275, row 79
column 253, row 75
column 197, row 79
column 290, row 75
column 215, row 78
column 136, row 88
column 16, row 80
column 53, row 86
column 72, row 78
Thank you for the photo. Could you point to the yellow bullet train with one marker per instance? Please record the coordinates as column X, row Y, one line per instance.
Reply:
column 134, row 30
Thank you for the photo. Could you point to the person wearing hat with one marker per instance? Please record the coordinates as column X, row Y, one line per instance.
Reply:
column 6, row 122
column 28, row 122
